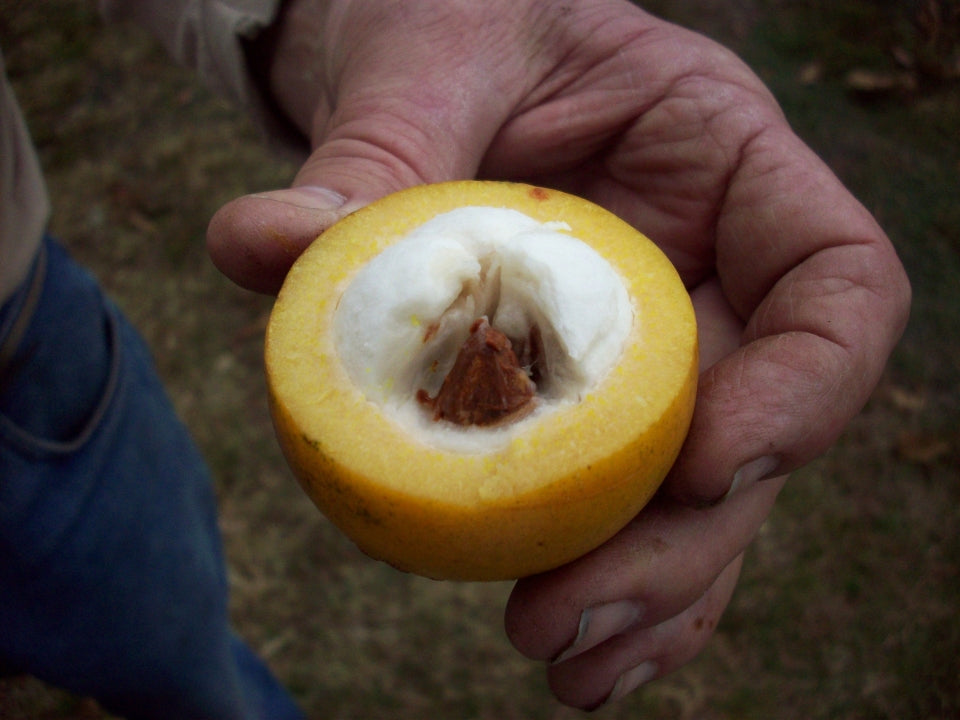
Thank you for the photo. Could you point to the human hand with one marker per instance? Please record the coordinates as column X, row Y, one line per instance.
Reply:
column 799, row 295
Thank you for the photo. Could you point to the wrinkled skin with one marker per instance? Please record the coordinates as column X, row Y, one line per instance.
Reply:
column 799, row 294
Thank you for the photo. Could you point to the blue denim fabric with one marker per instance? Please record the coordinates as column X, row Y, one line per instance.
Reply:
column 112, row 578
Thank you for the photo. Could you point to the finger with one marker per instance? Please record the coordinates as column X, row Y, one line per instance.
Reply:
column 824, row 299
column 653, row 570
column 610, row 671
column 648, row 573
column 718, row 327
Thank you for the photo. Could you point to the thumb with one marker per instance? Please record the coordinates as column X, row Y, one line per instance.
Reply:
column 256, row 238
column 384, row 126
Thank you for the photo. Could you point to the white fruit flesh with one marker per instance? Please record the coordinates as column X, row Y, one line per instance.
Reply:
column 404, row 316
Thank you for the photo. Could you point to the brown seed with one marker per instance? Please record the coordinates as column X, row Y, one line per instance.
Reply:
column 486, row 385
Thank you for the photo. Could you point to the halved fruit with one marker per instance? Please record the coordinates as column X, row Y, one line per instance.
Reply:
column 480, row 380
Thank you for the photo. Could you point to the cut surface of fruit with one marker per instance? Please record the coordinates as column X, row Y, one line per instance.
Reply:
column 403, row 323
column 480, row 380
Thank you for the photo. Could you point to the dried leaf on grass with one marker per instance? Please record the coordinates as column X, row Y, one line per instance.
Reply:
column 923, row 448
column 873, row 82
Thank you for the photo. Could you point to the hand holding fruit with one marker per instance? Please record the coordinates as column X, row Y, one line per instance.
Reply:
column 798, row 294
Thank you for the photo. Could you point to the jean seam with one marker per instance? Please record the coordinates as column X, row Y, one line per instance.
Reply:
column 40, row 446
column 23, row 305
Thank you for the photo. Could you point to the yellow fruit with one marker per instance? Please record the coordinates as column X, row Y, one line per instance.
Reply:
column 556, row 486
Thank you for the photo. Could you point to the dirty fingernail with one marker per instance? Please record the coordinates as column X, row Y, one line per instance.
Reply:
column 752, row 472
column 631, row 680
column 600, row 623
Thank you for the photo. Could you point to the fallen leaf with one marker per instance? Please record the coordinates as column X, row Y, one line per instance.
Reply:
column 904, row 400
column 871, row 82
column 811, row 73
column 922, row 449
column 904, row 57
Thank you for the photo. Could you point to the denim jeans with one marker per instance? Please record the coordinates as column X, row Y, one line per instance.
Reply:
column 112, row 577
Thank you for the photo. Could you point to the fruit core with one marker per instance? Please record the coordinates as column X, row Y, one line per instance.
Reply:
column 478, row 321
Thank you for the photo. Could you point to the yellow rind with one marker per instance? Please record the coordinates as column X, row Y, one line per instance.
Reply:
column 559, row 489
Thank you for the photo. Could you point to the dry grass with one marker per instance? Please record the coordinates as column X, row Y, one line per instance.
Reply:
column 847, row 605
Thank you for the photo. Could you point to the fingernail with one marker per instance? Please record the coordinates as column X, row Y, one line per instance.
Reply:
column 311, row 197
column 601, row 623
column 752, row 472
column 631, row 680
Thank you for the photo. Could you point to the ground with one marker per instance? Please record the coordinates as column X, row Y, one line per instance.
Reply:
column 847, row 606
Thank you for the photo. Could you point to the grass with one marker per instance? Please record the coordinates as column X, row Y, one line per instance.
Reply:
column 847, row 606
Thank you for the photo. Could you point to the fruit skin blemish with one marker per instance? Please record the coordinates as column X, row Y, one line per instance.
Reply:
column 481, row 380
